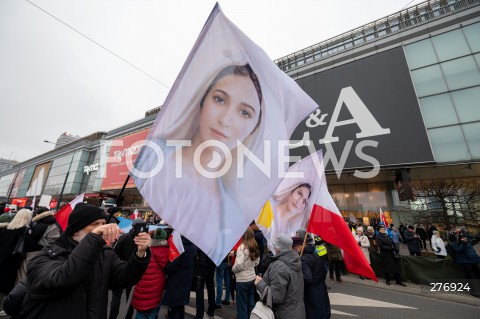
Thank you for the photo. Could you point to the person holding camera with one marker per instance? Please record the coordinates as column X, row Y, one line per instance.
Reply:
column 467, row 258
column 72, row 276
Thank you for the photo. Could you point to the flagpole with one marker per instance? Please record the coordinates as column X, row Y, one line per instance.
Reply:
column 304, row 242
column 116, row 200
column 64, row 183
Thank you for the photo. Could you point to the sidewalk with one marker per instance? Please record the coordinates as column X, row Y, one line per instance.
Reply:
column 414, row 289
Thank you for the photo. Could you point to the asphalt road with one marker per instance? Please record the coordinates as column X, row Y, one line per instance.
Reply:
column 355, row 301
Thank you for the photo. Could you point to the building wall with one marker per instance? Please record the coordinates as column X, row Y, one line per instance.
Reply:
column 446, row 75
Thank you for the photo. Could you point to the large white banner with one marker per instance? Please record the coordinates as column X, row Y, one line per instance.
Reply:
column 219, row 146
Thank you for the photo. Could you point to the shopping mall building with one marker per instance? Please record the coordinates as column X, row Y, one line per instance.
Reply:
column 399, row 103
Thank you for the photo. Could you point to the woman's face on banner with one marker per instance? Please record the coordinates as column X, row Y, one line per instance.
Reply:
column 230, row 111
column 298, row 199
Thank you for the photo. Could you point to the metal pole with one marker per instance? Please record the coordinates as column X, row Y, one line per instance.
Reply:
column 64, row 183
column 116, row 200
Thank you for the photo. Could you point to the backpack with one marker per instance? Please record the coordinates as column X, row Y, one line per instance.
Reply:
column 50, row 235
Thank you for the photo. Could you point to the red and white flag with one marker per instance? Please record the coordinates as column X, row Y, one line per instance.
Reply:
column 64, row 212
column 383, row 218
column 175, row 245
column 135, row 214
column 327, row 222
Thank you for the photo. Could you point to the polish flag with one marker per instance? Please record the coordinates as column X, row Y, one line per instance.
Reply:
column 383, row 218
column 64, row 212
column 135, row 214
column 327, row 222
column 175, row 246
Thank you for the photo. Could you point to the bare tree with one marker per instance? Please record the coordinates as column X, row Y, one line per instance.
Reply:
column 451, row 202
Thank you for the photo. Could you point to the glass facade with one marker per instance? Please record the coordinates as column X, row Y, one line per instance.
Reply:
column 445, row 70
column 5, row 183
column 93, row 180
column 58, row 172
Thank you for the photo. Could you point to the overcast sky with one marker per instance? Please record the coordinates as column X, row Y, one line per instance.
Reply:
column 55, row 80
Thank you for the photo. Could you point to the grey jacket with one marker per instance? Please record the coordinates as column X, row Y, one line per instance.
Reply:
column 285, row 279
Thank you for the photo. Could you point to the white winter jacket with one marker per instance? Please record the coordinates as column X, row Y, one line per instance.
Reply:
column 244, row 267
column 437, row 242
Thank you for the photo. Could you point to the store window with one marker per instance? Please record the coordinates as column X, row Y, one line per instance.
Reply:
column 438, row 110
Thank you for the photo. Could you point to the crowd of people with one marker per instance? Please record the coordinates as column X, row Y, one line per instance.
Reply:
column 53, row 272
column 457, row 243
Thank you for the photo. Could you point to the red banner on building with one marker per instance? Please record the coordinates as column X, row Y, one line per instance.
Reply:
column 122, row 149
column 20, row 202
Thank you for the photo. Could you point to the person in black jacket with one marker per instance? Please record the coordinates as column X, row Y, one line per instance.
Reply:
column 124, row 248
column 413, row 241
column 317, row 303
column 12, row 304
column 422, row 234
column 206, row 270
column 179, row 281
column 73, row 275
column 388, row 250
column 44, row 231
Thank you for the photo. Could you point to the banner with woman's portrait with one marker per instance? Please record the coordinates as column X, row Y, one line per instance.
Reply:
column 219, row 146
column 290, row 206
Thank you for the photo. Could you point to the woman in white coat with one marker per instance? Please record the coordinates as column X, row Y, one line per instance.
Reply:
column 438, row 245
column 364, row 244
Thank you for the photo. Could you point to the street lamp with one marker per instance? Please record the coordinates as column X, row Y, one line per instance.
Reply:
column 45, row 141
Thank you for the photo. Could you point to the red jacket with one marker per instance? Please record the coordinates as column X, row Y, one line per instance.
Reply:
column 149, row 290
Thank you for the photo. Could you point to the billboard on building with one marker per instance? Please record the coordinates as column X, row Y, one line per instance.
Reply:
column 123, row 151
column 18, row 182
column 368, row 116
column 38, row 180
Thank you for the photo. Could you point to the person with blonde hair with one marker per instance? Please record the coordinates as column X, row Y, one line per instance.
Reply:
column 9, row 237
column 248, row 257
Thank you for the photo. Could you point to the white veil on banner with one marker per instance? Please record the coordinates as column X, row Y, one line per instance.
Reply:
column 228, row 91
column 290, row 206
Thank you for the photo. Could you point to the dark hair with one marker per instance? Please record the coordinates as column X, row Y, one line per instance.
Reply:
column 304, row 185
column 248, row 239
column 242, row 70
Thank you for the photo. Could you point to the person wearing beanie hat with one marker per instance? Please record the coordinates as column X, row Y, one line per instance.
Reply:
column 83, row 215
column 149, row 290
column 297, row 243
column 413, row 241
column 82, row 265
column 284, row 278
column 363, row 243
column 301, row 232
column 314, row 268
column 390, row 257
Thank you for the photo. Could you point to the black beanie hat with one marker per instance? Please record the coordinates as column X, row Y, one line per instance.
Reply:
column 83, row 215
